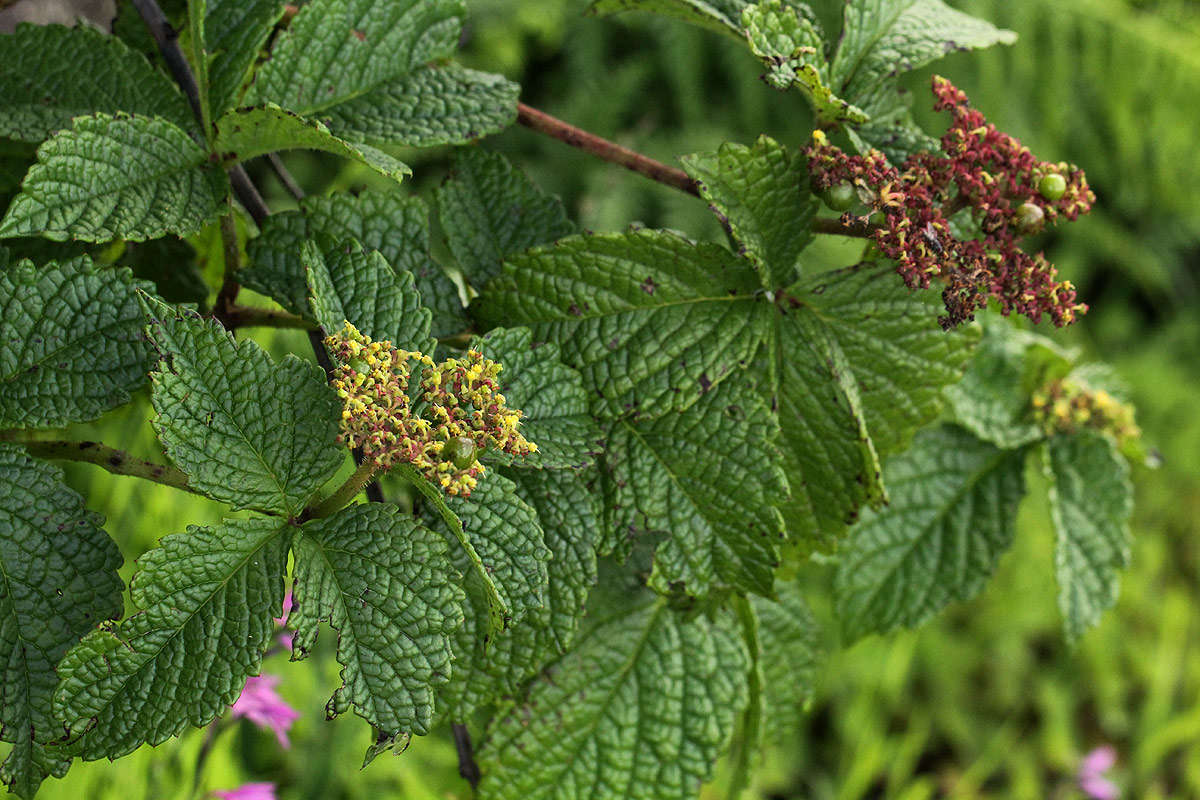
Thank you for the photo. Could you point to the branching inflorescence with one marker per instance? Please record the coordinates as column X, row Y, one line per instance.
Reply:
column 1067, row 406
column 1007, row 191
column 459, row 414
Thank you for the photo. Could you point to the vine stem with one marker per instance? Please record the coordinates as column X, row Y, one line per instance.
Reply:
column 346, row 492
column 250, row 317
column 602, row 148
column 115, row 461
column 614, row 153
column 467, row 768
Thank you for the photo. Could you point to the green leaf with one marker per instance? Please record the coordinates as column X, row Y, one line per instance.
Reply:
column 792, row 654
column 722, row 16
column 952, row 514
column 761, row 196
column 992, row 400
column 337, row 50
column 248, row 431
column 498, row 612
column 251, row 132
column 236, row 31
column 504, row 530
column 891, row 127
column 487, row 666
column 650, row 319
column 42, row 89
column 707, row 480
column 881, row 38
column 396, row 226
column 170, row 264
column 858, row 364
column 360, row 287
column 208, row 598
column 1091, row 501
column 490, row 209
column 434, row 105
column 551, row 397
column 640, row 708
column 58, row 579
column 117, row 177
column 792, row 49
column 386, row 585
column 71, row 343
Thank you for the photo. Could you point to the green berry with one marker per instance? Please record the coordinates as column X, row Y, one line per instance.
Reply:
column 1052, row 186
column 460, row 451
column 1030, row 218
column 840, row 197
column 359, row 365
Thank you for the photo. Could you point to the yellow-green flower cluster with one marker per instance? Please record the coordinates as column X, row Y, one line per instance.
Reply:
column 462, row 413
column 1066, row 406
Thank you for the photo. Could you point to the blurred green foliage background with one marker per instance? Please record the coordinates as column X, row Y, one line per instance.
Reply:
column 987, row 701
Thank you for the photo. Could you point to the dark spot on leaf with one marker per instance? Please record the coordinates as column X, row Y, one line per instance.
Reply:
column 575, row 310
column 705, row 383
column 362, row 37
column 648, row 285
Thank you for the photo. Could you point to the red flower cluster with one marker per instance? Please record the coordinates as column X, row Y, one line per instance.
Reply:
column 1008, row 192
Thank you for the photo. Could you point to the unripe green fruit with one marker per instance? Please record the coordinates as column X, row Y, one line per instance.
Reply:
column 460, row 451
column 840, row 197
column 1030, row 218
column 359, row 365
column 1052, row 186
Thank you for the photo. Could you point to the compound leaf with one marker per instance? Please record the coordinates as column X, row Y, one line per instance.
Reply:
column 992, row 399
column 235, row 32
column 858, row 365
column 761, row 196
column 707, row 480
column 486, row 665
column 396, row 226
column 337, row 50
column 386, row 585
column 71, row 342
column 251, row 132
column 208, row 597
column 641, row 707
column 359, row 286
column 111, row 177
column 504, row 530
column 248, row 431
column 434, row 105
column 952, row 512
column 42, row 90
column 792, row 652
column 792, row 49
column 490, row 210
column 58, row 580
column 1091, row 500
column 551, row 397
column 650, row 319
column 881, row 38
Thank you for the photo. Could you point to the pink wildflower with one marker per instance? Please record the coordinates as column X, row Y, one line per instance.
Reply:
column 285, row 638
column 249, row 791
column 261, row 705
column 1091, row 774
